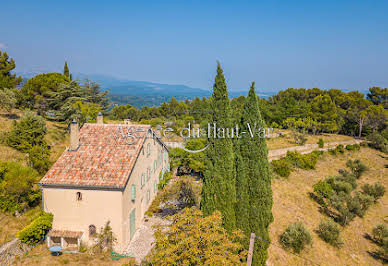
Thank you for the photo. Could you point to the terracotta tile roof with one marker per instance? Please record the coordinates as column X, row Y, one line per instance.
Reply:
column 65, row 233
column 103, row 159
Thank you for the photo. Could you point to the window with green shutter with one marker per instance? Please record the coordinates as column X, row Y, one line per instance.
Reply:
column 148, row 196
column 133, row 192
column 148, row 149
column 155, row 166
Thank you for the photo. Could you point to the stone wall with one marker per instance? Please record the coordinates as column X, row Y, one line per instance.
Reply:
column 10, row 250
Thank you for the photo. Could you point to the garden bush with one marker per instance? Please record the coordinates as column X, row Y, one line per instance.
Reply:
column 329, row 231
column 37, row 230
column 282, row 167
column 296, row 237
column 376, row 190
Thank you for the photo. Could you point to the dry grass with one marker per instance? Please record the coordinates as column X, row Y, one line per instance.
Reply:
column 292, row 203
column 287, row 141
column 41, row 256
column 10, row 225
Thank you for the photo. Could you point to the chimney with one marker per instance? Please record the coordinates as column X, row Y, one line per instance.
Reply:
column 74, row 135
column 100, row 119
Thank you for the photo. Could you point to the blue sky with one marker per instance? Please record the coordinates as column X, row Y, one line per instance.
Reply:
column 279, row 44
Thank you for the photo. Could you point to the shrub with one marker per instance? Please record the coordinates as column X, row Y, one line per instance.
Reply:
column 281, row 167
column 337, row 150
column 329, row 231
column 353, row 147
column 359, row 203
column 164, row 179
column 37, row 230
column 379, row 233
column 105, row 239
column 385, row 246
column 338, row 201
column 209, row 242
column 155, row 206
column 187, row 196
column 18, row 188
column 376, row 190
column 303, row 161
column 339, row 185
column 347, row 177
column 378, row 142
column 296, row 237
column 332, row 152
column 357, row 167
column 340, row 149
column 323, row 189
column 29, row 132
column 321, row 144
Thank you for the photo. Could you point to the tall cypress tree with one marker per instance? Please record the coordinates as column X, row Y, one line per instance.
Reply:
column 219, row 186
column 254, row 205
column 66, row 71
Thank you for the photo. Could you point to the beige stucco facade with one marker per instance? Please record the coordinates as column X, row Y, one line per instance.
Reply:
column 97, row 206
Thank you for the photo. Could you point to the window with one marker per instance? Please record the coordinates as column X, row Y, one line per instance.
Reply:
column 92, row 230
column 155, row 186
column 155, row 166
column 142, row 180
column 148, row 149
column 133, row 192
column 148, row 196
column 148, row 173
column 79, row 196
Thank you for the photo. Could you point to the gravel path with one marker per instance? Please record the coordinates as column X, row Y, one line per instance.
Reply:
column 141, row 243
column 307, row 148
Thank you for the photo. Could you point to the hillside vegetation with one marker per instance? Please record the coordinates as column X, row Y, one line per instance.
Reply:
column 292, row 203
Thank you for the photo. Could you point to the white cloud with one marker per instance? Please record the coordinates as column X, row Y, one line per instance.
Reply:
column 2, row 46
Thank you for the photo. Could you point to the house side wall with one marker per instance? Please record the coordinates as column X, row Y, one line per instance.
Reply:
column 95, row 208
column 142, row 201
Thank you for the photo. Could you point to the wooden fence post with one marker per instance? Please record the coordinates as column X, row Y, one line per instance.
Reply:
column 250, row 251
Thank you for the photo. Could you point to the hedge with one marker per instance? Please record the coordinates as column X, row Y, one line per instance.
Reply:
column 36, row 230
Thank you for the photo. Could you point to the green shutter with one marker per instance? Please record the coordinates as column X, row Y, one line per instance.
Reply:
column 132, row 223
column 133, row 192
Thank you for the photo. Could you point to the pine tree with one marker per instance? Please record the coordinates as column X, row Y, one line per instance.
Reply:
column 7, row 80
column 66, row 71
column 253, row 185
column 218, row 192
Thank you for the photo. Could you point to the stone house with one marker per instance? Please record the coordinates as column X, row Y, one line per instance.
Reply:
column 110, row 172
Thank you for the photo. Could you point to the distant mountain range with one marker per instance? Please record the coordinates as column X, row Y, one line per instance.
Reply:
column 142, row 93
column 145, row 93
